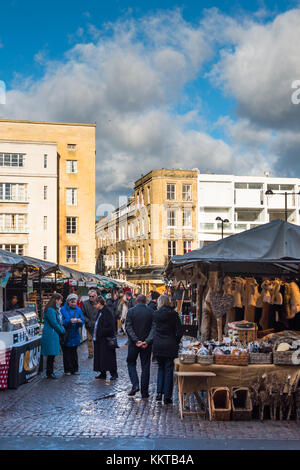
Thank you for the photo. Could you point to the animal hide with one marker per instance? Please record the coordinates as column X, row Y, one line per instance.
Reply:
column 295, row 299
column 227, row 285
column 253, row 293
column 237, row 293
column 213, row 280
column 276, row 294
column 220, row 304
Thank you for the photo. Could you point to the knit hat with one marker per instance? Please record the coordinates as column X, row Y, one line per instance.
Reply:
column 71, row 297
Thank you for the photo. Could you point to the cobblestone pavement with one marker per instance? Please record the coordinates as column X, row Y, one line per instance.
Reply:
column 80, row 406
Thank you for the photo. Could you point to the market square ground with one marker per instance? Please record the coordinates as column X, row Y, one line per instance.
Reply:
column 63, row 414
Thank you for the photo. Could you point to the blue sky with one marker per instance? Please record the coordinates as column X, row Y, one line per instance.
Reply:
column 187, row 83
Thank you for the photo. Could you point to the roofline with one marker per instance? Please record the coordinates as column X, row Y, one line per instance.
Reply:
column 15, row 141
column 49, row 122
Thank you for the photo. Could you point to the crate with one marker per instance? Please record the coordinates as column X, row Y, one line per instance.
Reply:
column 241, row 404
column 232, row 359
column 219, row 404
column 205, row 360
column 261, row 358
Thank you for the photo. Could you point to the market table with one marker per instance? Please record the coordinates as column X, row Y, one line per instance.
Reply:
column 231, row 376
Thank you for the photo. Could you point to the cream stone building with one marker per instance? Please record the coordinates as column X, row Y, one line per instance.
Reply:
column 159, row 221
column 72, row 219
column 28, row 198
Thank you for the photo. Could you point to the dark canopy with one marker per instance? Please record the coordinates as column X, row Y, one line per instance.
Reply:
column 275, row 246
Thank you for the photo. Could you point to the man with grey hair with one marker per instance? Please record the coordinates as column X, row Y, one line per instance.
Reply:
column 90, row 316
column 140, row 331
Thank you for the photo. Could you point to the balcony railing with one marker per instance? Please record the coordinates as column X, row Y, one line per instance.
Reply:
column 11, row 229
column 23, row 200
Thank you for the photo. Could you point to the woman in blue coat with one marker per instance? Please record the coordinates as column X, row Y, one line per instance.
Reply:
column 52, row 330
column 73, row 319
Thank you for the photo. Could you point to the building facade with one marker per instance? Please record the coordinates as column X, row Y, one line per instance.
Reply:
column 159, row 221
column 28, row 198
column 242, row 200
column 75, row 169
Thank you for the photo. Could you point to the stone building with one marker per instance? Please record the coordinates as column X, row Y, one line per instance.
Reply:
column 66, row 234
column 158, row 221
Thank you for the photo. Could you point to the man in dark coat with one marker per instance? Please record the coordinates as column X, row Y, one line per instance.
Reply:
column 140, row 329
column 104, row 357
column 131, row 301
column 13, row 303
column 153, row 302
column 90, row 314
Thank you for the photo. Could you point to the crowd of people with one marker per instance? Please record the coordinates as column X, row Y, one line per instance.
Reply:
column 153, row 328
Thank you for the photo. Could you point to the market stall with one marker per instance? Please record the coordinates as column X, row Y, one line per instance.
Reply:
column 248, row 307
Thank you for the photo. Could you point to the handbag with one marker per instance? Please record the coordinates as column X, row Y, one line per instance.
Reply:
column 112, row 342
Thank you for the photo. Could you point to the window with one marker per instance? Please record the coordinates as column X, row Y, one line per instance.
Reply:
column 19, row 249
column 171, row 248
column 72, row 147
column 12, row 192
column 248, row 216
column 255, row 186
column 12, row 223
column 71, row 225
column 144, row 255
column 45, row 160
column 71, row 166
column 187, row 218
column 71, row 254
column 45, row 222
column 240, row 185
column 12, row 159
column 45, row 192
column 45, row 252
column 187, row 247
column 71, row 196
column 186, row 192
column 149, row 224
column 171, row 192
column 171, row 219
column 148, row 194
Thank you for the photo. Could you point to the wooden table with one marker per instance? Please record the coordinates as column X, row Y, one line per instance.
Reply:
column 233, row 376
column 203, row 383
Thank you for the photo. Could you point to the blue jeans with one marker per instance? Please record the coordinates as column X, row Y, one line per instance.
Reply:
column 145, row 356
column 165, row 376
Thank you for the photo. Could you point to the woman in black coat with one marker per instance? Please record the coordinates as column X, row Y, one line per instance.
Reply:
column 167, row 336
column 104, row 357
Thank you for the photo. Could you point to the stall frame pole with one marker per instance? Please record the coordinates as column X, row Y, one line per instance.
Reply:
column 40, row 292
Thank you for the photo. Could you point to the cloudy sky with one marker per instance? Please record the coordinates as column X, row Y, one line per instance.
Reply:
column 170, row 85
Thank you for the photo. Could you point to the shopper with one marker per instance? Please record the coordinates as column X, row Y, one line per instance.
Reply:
column 73, row 319
column 90, row 314
column 53, row 329
column 139, row 328
column 153, row 301
column 104, row 356
column 167, row 336
column 131, row 302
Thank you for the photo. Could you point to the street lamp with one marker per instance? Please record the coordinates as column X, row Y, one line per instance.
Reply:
column 223, row 221
column 269, row 192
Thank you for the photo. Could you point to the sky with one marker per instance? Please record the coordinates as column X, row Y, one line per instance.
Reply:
column 189, row 84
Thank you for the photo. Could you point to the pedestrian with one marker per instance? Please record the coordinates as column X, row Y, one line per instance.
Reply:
column 53, row 329
column 153, row 300
column 139, row 328
column 131, row 302
column 90, row 314
column 73, row 319
column 104, row 356
column 153, row 304
column 167, row 336
column 122, row 313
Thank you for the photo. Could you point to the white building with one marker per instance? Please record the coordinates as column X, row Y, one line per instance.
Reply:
column 242, row 200
column 28, row 198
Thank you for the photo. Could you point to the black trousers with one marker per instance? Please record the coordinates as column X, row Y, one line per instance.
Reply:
column 70, row 359
column 50, row 365
column 145, row 357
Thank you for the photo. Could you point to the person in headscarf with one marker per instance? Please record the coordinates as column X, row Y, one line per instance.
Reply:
column 73, row 319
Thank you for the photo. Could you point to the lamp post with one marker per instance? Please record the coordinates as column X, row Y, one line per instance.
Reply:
column 269, row 192
column 223, row 221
